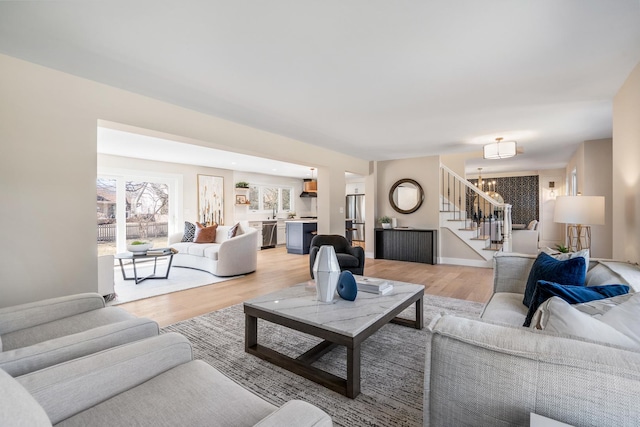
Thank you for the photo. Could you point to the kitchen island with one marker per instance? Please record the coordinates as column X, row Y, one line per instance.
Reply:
column 299, row 235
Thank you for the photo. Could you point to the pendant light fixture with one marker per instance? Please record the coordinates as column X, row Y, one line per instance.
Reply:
column 500, row 149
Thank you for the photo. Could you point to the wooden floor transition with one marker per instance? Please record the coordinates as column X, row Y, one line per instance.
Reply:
column 277, row 269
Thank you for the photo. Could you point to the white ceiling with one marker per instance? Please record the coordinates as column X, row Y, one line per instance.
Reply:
column 121, row 143
column 376, row 79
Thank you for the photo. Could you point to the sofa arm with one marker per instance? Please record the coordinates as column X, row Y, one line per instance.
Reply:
column 21, row 361
column 297, row 413
column 511, row 271
column 238, row 255
column 40, row 312
column 483, row 374
column 69, row 388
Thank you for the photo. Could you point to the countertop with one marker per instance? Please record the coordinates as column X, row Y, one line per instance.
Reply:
column 304, row 221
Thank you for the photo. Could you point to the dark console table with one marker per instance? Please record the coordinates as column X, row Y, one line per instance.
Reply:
column 407, row 244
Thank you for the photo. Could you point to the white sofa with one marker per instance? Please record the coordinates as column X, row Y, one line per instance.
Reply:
column 492, row 371
column 225, row 257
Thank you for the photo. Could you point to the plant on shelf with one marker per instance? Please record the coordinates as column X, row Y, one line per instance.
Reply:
column 242, row 184
column 385, row 221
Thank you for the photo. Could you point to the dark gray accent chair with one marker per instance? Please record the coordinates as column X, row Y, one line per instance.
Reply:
column 349, row 257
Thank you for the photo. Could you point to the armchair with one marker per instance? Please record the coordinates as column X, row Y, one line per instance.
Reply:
column 349, row 257
column 36, row 335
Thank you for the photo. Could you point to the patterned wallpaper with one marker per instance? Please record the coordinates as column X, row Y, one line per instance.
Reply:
column 521, row 192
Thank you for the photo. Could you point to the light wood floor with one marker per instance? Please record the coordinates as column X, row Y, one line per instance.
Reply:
column 277, row 269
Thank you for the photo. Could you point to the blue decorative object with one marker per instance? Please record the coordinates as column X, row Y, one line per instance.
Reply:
column 545, row 267
column 571, row 294
column 347, row 287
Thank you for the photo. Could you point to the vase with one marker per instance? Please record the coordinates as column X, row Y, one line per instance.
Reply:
column 386, row 225
column 326, row 271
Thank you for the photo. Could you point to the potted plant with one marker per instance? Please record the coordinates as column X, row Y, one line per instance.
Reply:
column 242, row 184
column 562, row 248
column 385, row 221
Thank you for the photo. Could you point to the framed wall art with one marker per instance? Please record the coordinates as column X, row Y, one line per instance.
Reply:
column 210, row 199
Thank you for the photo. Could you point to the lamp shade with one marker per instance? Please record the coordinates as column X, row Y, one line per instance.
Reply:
column 500, row 150
column 587, row 210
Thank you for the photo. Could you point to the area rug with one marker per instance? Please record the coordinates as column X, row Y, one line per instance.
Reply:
column 392, row 367
column 180, row 278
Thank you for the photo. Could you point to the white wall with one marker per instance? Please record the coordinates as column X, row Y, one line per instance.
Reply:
column 626, row 170
column 551, row 233
column 48, row 170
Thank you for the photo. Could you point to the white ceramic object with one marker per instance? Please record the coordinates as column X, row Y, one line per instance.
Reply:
column 326, row 271
column 139, row 248
column 386, row 225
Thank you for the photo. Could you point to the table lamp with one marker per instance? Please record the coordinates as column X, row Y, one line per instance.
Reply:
column 579, row 213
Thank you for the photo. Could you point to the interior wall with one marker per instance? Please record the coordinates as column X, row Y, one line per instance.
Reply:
column 48, row 170
column 550, row 233
column 598, row 181
column 426, row 171
column 189, row 191
column 626, row 173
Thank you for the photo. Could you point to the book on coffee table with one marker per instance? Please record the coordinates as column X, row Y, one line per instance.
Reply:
column 374, row 286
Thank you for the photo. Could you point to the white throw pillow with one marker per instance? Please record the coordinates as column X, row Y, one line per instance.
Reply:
column 557, row 315
column 625, row 318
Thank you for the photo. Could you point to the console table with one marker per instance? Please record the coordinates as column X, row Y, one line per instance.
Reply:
column 407, row 244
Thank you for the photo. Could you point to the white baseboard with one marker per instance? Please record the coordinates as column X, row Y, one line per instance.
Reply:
column 466, row 262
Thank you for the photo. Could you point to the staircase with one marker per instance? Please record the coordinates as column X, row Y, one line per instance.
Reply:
column 474, row 217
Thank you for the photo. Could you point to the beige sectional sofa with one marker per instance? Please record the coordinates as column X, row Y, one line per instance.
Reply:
column 40, row 334
column 123, row 375
column 492, row 371
column 153, row 382
column 225, row 257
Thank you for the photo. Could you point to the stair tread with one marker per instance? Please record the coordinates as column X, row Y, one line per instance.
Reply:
column 481, row 237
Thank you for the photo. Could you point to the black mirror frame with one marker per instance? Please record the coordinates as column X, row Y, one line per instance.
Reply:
column 393, row 189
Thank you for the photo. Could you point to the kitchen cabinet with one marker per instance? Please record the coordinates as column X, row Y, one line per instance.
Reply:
column 282, row 231
column 299, row 235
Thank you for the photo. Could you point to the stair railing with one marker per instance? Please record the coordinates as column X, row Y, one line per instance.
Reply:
column 486, row 217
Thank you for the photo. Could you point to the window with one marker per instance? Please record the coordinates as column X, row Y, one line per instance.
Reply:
column 133, row 208
column 270, row 198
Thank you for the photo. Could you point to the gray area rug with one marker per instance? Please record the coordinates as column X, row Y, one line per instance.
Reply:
column 392, row 363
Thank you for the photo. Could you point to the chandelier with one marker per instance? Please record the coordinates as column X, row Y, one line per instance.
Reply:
column 500, row 149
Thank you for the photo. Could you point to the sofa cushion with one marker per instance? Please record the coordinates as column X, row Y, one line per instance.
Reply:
column 200, row 394
column 205, row 234
column 571, row 294
column 545, row 267
column 189, row 232
column 17, row 406
column 619, row 326
column 599, row 307
column 505, row 307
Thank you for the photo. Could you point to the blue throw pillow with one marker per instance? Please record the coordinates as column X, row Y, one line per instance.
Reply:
column 545, row 267
column 571, row 294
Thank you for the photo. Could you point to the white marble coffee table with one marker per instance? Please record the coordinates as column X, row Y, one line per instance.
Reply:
column 342, row 322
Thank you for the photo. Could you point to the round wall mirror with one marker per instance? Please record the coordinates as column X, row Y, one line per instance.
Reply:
column 406, row 196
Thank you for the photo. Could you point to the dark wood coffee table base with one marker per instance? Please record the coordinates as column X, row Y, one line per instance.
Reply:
column 301, row 365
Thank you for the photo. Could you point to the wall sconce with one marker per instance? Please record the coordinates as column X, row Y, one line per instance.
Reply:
column 552, row 186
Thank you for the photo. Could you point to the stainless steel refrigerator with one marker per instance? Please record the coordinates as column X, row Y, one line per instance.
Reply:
column 355, row 212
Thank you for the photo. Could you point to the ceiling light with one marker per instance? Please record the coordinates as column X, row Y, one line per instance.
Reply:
column 500, row 149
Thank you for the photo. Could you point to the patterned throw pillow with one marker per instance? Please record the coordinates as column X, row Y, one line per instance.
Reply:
column 233, row 231
column 205, row 234
column 189, row 232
